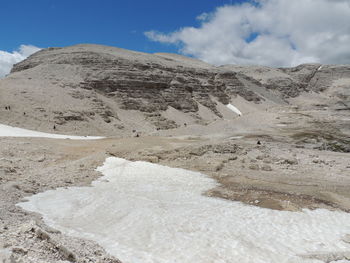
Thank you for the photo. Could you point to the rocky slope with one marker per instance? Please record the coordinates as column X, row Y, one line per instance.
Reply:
column 92, row 89
column 300, row 117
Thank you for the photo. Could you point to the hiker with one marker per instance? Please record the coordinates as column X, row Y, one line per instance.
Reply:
column 5, row 107
column 54, row 127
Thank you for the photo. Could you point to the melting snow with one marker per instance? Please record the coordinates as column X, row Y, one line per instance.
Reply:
column 143, row 212
column 9, row 131
column 234, row 109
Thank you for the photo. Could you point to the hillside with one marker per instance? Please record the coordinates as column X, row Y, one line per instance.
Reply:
column 100, row 90
column 273, row 140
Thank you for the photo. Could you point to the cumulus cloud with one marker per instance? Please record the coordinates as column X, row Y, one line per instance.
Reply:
column 268, row 32
column 7, row 59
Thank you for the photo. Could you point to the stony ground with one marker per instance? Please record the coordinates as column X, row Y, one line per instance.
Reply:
column 296, row 165
column 178, row 108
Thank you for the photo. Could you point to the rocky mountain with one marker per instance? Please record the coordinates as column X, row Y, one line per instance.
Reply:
column 93, row 89
column 277, row 138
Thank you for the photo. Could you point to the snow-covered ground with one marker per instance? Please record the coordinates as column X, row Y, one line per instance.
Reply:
column 9, row 131
column 234, row 109
column 143, row 212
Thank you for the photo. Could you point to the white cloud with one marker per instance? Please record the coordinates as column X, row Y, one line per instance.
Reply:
column 7, row 59
column 268, row 32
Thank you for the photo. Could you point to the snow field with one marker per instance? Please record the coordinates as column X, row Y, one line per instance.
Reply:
column 9, row 131
column 143, row 212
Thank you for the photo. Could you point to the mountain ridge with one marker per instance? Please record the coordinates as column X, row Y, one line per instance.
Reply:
column 101, row 90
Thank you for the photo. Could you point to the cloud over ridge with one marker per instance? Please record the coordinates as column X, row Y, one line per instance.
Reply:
column 7, row 59
column 268, row 32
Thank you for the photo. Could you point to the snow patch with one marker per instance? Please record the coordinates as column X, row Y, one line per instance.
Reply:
column 143, row 212
column 9, row 131
column 234, row 109
column 5, row 254
column 236, row 137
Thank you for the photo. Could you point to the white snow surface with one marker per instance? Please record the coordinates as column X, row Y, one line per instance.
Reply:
column 9, row 131
column 143, row 212
column 234, row 109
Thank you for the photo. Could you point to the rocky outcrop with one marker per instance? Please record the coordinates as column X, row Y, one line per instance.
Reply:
column 101, row 89
column 291, row 82
column 143, row 82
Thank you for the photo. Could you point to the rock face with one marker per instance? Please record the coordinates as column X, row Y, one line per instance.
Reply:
column 291, row 82
column 143, row 82
column 96, row 88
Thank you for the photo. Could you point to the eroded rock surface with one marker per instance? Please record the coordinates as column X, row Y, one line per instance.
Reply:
column 91, row 89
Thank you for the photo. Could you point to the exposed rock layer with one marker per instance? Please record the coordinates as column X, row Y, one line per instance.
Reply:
column 98, row 84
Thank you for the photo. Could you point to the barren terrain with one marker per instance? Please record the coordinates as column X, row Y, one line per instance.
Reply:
column 288, row 151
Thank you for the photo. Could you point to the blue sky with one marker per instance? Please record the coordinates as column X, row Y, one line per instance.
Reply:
column 46, row 23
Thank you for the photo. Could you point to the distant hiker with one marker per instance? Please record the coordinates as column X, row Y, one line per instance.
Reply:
column 54, row 127
column 5, row 107
column 137, row 135
column 258, row 143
